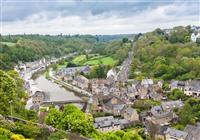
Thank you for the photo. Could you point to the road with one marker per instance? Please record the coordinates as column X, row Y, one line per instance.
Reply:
column 123, row 73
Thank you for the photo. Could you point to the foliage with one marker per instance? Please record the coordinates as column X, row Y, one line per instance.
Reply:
column 144, row 105
column 8, row 92
column 176, row 95
column 190, row 113
column 94, row 60
column 12, row 96
column 57, row 135
column 26, row 48
column 72, row 119
column 116, row 49
column 99, row 71
column 155, row 56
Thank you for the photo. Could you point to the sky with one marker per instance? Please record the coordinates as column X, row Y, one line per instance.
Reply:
column 95, row 16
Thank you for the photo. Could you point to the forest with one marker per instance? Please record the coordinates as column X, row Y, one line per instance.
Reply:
column 166, row 56
column 26, row 48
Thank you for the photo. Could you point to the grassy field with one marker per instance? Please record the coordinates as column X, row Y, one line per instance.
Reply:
column 94, row 60
column 63, row 66
column 79, row 59
column 8, row 43
column 102, row 60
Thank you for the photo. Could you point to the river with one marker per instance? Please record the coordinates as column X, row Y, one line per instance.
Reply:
column 56, row 93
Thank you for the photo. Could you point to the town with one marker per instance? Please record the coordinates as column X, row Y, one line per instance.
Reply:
column 113, row 100
column 99, row 70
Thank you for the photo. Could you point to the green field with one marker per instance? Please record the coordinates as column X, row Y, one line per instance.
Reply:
column 79, row 59
column 8, row 43
column 103, row 60
column 94, row 60
column 63, row 66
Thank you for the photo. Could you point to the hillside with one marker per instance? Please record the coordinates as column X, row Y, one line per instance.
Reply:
column 26, row 48
column 166, row 56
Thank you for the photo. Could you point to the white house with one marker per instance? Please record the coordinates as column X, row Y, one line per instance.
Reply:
column 194, row 37
column 111, row 74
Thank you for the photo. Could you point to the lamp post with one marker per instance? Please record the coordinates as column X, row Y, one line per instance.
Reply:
column 10, row 102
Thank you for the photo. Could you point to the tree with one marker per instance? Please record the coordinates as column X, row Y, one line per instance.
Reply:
column 8, row 93
column 54, row 118
column 72, row 119
column 124, row 40
column 186, row 115
column 177, row 94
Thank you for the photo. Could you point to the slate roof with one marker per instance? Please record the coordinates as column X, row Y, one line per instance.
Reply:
column 147, row 82
column 195, row 84
column 99, row 119
column 154, row 95
column 105, row 122
column 193, row 132
column 176, row 133
column 172, row 104
column 118, row 107
column 129, row 110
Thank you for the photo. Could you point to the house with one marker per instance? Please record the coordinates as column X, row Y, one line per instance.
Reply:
column 162, row 116
column 147, row 82
column 116, row 110
column 170, row 105
column 106, row 124
column 156, row 127
column 98, row 86
column 174, row 134
column 109, row 103
column 111, row 74
column 195, row 36
column 81, row 82
column 67, row 71
column 143, row 92
column 155, row 96
column 177, row 85
column 85, row 69
column 192, row 88
column 160, row 84
column 130, row 114
column 38, row 97
column 193, row 132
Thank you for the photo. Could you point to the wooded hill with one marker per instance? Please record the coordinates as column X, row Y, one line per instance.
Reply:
column 166, row 56
column 25, row 48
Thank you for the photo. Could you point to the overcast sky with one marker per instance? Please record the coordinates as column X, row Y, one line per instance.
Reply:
column 95, row 17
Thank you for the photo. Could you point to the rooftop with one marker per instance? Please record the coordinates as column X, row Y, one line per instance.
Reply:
column 176, row 133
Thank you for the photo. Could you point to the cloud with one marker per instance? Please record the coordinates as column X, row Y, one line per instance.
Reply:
column 98, row 18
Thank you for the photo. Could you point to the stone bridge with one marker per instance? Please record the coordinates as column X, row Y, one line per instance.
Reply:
column 61, row 104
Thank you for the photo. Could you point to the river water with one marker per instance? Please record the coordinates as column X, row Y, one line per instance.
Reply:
column 56, row 93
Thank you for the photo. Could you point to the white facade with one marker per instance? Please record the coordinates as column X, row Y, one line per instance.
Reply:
column 194, row 37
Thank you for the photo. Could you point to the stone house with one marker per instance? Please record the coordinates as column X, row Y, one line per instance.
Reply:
column 116, row 110
column 174, row 134
column 170, row 105
column 38, row 97
column 147, row 82
column 177, row 85
column 106, row 124
column 192, row 88
column 130, row 114
column 81, row 82
column 109, row 103
column 155, row 96
column 193, row 132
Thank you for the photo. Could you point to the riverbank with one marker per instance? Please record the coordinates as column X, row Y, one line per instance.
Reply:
column 68, row 86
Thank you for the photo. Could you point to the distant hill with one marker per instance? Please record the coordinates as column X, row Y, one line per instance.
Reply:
column 114, row 37
column 166, row 55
